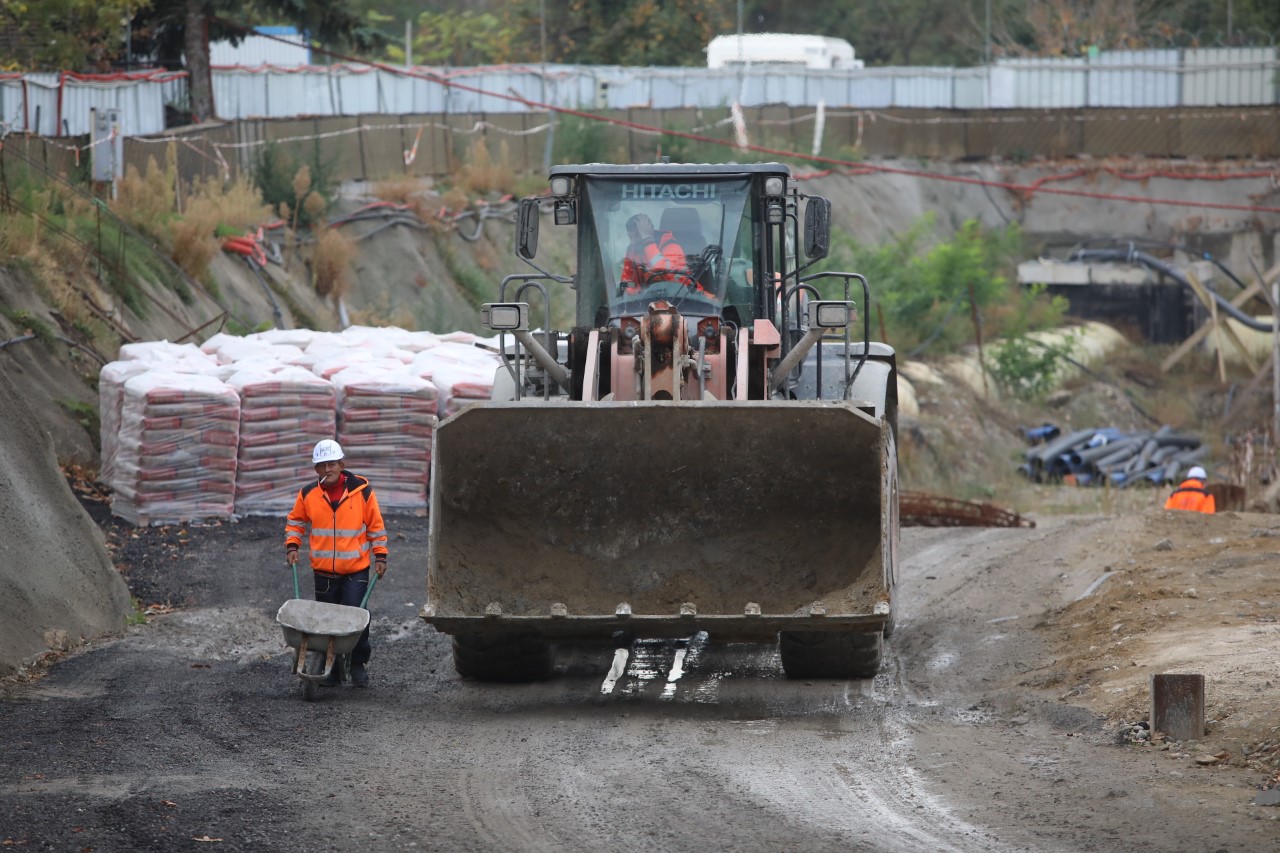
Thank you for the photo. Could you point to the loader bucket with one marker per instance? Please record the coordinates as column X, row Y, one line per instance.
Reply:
column 661, row 518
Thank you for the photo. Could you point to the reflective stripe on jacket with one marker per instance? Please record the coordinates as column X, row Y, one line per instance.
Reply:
column 1191, row 495
column 342, row 534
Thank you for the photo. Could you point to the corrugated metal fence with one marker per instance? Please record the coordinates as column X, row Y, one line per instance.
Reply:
column 59, row 104
column 377, row 147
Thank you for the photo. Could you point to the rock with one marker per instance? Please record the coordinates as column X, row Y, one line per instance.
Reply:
column 1058, row 399
column 1191, row 593
column 1207, row 760
column 1164, row 545
column 1270, row 797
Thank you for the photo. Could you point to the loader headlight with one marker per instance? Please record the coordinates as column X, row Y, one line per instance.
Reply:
column 829, row 315
column 564, row 213
column 561, row 186
column 775, row 185
column 505, row 316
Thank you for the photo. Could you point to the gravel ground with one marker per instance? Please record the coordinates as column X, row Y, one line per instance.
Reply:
column 190, row 730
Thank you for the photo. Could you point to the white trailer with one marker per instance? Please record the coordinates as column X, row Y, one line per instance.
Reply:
column 780, row 49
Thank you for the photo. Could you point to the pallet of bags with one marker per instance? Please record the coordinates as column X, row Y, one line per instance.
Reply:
column 284, row 411
column 175, row 458
column 386, row 420
column 111, row 381
column 462, row 373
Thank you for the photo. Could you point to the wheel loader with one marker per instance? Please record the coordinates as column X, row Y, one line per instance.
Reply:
column 710, row 447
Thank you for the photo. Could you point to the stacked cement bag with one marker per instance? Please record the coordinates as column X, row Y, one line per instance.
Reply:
column 175, row 458
column 386, row 419
column 111, row 381
column 463, row 373
column 284, row 411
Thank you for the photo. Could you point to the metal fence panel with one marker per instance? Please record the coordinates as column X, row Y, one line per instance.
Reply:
column 41, row 93
column 361, row 91
column 1039, row 83
column 969, row 88
column 1143, row 78
column 928, row 88
column 1145, row 131
column 385, row 146
column 1229, row 76
column 870, row 89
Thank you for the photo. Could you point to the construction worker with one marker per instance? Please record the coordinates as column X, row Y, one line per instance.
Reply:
column 1191, row 494
column 651, row 256
column 346, row 525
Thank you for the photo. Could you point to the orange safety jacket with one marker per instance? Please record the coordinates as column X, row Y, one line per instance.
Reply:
column 342, row 532
column 1191, row 495
column 657, row 261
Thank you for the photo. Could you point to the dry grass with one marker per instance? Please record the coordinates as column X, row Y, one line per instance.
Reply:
column 212, row 203
column 56, row 278
column 482, row 173
column 147, row 200
column 414, row 193
column 331, row 263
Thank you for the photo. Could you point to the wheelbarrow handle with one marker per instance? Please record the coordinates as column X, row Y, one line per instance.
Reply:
column 373, row 579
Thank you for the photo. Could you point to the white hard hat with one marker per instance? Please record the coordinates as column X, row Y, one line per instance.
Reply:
column 1196, row 473
column 326, row 450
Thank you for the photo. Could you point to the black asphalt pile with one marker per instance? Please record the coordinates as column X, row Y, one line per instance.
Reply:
column 1110, row 456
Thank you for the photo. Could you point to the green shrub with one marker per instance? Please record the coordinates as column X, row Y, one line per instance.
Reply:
column 276, row 171
column 923, row 291
column 1025, row 367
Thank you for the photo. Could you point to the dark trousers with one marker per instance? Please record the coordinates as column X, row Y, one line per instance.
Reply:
column 348, row 590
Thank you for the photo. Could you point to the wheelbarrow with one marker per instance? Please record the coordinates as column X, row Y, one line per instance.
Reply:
column 323, row 635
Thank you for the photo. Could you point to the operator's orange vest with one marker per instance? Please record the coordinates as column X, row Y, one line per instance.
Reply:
column 343, row 535
column 1191, row 495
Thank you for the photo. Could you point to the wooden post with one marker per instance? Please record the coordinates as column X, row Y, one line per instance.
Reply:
column 1177, row 706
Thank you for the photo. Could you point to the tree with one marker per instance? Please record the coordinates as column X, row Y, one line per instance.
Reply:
column 178, row 32
column 460, row 38
column 617, row 32
column 65, row 35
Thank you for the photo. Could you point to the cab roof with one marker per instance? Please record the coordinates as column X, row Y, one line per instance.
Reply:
column 616, row 170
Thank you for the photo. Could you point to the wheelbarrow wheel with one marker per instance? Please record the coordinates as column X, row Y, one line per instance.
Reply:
column 313, row 666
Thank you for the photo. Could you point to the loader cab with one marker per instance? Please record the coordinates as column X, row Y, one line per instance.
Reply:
column 711, row 238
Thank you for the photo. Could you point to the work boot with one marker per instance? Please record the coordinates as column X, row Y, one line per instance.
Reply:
column 359, row 675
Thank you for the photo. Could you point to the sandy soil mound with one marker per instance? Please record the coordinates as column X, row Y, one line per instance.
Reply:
column 1174, row 592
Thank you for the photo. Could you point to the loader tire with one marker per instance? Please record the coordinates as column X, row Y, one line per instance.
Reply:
column 502, row 657
column 830, row 654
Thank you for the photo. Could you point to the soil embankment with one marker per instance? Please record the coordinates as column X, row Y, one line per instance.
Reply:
column 60, row 585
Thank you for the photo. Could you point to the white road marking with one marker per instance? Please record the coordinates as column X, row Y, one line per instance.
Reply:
column 677, row 670
column 616, row 670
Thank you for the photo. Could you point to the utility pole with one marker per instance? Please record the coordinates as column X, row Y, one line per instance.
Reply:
column 986, row 38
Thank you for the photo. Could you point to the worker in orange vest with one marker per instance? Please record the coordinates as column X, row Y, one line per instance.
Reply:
column 339, row 515
column 1191, row 494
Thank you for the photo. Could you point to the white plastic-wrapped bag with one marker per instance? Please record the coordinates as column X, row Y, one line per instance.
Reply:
column 283, row 413
column 176, row 454
column 462, row 373
column 386, row 421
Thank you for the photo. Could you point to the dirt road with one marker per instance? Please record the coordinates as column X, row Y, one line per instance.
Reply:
column 191, row 731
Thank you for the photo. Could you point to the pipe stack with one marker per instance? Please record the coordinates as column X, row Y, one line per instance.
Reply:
column 1109, row 456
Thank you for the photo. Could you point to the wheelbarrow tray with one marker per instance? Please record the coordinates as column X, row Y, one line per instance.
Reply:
column 316, row 623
